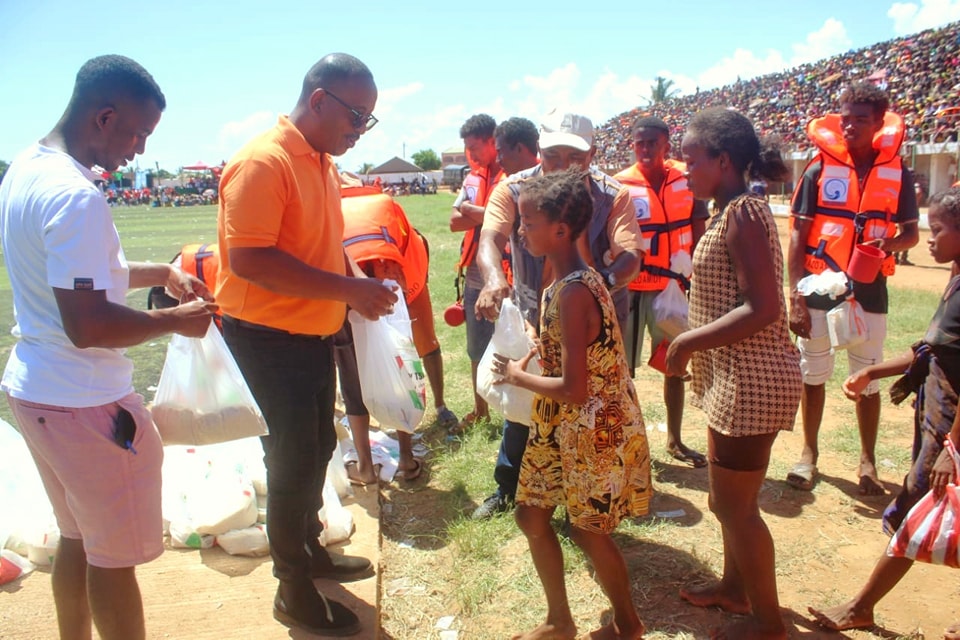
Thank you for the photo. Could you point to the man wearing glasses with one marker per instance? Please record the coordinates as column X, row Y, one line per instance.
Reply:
column 285, row 291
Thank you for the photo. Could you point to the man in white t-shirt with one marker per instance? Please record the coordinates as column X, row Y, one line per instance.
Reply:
column 68, row 382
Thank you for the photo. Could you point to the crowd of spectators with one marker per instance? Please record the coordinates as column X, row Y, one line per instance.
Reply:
column 168, row 196
column 195, row 190
column 921, row 73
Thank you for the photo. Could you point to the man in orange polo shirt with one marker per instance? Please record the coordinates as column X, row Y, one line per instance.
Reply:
column 285, row 292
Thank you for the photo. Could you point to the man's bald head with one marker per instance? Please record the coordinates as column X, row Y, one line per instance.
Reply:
column 332, row 71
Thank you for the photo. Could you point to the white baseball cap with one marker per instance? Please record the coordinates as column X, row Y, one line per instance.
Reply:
column 566, row 130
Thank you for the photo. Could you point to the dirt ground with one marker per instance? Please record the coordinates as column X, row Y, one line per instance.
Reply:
column 827, row 541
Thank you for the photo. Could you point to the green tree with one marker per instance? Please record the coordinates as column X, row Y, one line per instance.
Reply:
column 4, row 165
column 662, row 91
column 365, row 168
column 163, row 174
column 426, row 159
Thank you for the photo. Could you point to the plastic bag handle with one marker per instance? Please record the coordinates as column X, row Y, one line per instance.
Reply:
column 948, row 445
column 857, row 325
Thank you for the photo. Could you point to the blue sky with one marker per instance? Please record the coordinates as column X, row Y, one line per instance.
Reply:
column 229, row 68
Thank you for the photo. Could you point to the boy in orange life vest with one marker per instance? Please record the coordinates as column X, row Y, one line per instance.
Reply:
column 467, row 216
column 378, row 236
column 671, row 220
column 856, row 190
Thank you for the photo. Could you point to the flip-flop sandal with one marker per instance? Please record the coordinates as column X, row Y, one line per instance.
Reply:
column 694, row 458
column 802, row 476
column 409, row 475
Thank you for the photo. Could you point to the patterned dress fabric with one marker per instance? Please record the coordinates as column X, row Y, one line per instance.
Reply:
column 592, row 458
column 751, row 387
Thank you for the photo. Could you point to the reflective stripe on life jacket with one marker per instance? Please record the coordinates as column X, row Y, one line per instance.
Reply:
column 845, row 215
column 202, row 261
column 665, row 223
column 376, row 228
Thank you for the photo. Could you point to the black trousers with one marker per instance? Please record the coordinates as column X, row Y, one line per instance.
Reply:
column 512, row 445
column 292, row 378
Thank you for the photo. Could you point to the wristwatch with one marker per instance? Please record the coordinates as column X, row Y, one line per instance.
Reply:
column 610, row 279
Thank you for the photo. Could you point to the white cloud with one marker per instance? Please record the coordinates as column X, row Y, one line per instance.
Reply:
column 389, row 98
column 236, row 133
column 556, row 89
column 828, row 40
column 908, row 17
column 742, row 64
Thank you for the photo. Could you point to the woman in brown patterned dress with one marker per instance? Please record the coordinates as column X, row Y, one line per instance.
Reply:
column 745, row 369
column 587, row 449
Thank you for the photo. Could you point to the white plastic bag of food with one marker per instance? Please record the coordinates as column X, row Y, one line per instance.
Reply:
column 202, row 397
column 251, row 541
column 13, row 565
column 509, row 339
column 846, row 325
column 337, row 519
column 671, row 309
column 392, row 380
column 826, row 283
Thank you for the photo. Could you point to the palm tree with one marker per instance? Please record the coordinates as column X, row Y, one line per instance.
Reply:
column 662, row 91
column 365, row 168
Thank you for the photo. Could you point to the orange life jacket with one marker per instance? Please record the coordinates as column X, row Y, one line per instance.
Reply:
column 845, row 215
column 665, row 223
column 375, row 227
column 478, row 186
column 203, row 261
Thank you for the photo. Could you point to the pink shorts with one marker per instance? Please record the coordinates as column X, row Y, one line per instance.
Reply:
column 102, row 493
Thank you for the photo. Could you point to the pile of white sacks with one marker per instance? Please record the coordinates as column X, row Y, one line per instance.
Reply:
column 212, row 495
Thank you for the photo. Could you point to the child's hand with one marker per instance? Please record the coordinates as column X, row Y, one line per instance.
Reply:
column 508, row 371
column 942, row 473
column 855, row 384
column 677, row 358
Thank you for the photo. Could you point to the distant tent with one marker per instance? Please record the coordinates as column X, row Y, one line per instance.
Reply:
column 199, row 165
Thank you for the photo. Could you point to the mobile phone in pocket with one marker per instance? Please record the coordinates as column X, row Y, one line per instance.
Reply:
column 124, row 430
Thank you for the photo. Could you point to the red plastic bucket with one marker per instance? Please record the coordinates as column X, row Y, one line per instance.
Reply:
column 659, row 358
column 454, row 315
column 865, row 263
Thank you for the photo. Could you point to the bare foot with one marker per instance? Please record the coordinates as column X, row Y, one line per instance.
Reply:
column 869, row 481
column 359, row 479
column 717, row 595
column 547, row 631
column 610, row 632
column 748, row 629
column 843, row 617
column 952, row 632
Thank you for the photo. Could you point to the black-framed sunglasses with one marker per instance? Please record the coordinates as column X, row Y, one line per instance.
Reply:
column 360, row 121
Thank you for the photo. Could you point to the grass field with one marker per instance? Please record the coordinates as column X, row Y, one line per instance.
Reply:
column 480, row 571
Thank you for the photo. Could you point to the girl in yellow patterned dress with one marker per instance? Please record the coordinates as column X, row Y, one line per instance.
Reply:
column 587, row 449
